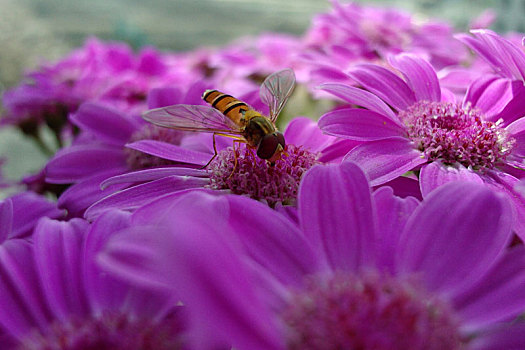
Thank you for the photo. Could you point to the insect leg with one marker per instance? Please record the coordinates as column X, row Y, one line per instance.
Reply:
column 214, row 152
column 235, row 161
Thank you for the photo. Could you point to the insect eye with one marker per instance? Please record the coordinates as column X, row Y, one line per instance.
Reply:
column 269, row 144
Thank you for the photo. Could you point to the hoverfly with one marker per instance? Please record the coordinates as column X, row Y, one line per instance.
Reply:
column 228, row 116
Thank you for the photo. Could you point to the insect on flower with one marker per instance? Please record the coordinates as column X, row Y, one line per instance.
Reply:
column 233, row 118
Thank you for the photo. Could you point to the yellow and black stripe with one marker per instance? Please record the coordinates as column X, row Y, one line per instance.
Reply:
column 226, row 104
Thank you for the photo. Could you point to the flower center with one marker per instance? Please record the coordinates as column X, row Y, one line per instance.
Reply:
column 456, row 134
column 371, row 311
column 111, row 331
column 138, row 160
column 257, row 178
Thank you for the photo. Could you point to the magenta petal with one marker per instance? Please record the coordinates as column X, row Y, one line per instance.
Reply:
column 22, row 305
column 165, row 96
column 108, row 293
column 385, row 84
column 107, row 124
column 133, row 197
column 80, row 162
column 272, row 241
column 489, row 52
column 359, row 97
column 436, row 174
column 517, row 132
column 191, row 252
column 392, row 215
column 405, row 186
column 172, row 152
column 505, row 57
column 337, row 216
column 501, row 337
column 151, row 175
column 477, row 87
column 420, row 76
column 28, row 208
column 6, row 219
column 507, row 183
column 462, row 225
column 78, row 197
column 359, row 124
column 305, row 132
column 448, row 96
column 104, row 292
column 489, row 94
column 514, row 109
column 498, row 296
column 59, row 260
column 165, row 204
column 384, row 160
column 336, row 151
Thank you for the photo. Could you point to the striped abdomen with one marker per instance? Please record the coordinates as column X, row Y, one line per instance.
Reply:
column 226, row 104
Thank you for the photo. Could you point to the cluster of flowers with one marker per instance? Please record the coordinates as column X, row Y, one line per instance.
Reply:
column 395, row 220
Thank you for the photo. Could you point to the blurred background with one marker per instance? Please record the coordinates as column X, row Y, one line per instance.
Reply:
column 35, row 31
column 32, row 30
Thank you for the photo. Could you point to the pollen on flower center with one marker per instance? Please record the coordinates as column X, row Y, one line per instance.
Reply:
column 371, row 311
column 138, row 160
column 257, row 178
column 456, row 134
column 111, row 331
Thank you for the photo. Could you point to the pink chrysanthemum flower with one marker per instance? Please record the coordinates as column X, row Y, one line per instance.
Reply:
column 358, row 270
column 53, row 295
column 352, row 33
column 104, row 72
column 410, row 125
column 251, row 176
column 99, row 151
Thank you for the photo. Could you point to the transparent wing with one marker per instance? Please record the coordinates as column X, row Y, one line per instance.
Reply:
column 191, row 118
column 276, row 89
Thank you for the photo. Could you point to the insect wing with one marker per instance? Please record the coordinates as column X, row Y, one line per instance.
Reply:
column 276, row 89
column 191, row 118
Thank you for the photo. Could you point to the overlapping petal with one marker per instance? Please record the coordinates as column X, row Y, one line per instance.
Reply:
column 272, row 241
column 455, row 235
column 360, row 125
column 342, row 228
column 172, row 152
column 359, row 97
column 436, row 174
column 384, row 160
column 385, row 84
column 420, row 76
column 80, row 162
column 107, row 124
column 136, row 196
column 58, row 259
column 204, row 255
column 498, row 296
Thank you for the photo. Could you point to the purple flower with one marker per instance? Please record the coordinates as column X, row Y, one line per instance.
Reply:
column 54, row 296
column 411, row 125
column 19, row 214
column 251, row 176
column 497, row 57
column 353, row 33
column 359, row 270
column 99, row 151
column 242, row 65
column 506, row 58
column 105, row 72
